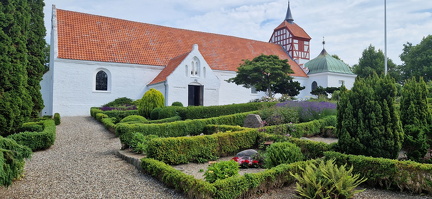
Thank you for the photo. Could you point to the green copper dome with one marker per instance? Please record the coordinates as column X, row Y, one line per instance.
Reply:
column 326, row 63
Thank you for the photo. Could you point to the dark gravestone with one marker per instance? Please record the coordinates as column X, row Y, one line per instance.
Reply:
column 253, row 121
column 247, row 154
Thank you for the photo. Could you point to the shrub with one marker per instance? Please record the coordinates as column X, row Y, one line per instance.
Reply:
column 31, row 127
column 37, row 140
column 310, row 149
column 151, row 99
column 134, row 119
column 367, row 120
column 117, row 114
column 401, row 175
column 167, row 112
column 221, row 170
column 57, row 118
column 12, row 161
column 327, row 180
column 416, row 118
column 181, row 128
column 279, row 115
column 177, row 104
column 200, row 112
column 179, row 150
column 336, row 95
column 138, row 142
column 154, row 114
column 302, row 129
column 173, row 178
column 311, row 110
column 120, row 102
column 282, row 153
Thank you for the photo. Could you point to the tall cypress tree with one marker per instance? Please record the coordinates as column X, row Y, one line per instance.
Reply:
column 367, row 122
column 15, row 101
column 415, row 117
column 35, row 45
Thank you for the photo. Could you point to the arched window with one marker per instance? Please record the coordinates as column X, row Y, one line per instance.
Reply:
column 101, row 81
column 195, row 67
column 314, row 85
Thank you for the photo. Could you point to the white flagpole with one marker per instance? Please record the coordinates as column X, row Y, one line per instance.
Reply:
column 385, row 37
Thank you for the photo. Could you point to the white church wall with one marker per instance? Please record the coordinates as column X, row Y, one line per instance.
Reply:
column 74, row 89
column 231, row 93
column 336, row 80
column 46, row 91
column 305, row 93
column 321, row 79
column 333, row 79
column 193, row 70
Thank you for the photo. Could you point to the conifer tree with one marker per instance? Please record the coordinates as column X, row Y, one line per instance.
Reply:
column 416, row 118
column 367, row 122
column 36, row 55
column 151, row 99
column 15, row 101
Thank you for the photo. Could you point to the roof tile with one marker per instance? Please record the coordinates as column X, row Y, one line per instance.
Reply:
column 295, row 29
column 96, row 38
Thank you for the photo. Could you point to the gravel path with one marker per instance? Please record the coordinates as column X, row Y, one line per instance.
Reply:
column 82, row 164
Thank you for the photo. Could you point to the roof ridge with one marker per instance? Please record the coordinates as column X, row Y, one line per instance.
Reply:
column 198, row 31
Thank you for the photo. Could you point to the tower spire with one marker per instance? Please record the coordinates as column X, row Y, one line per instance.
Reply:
column 323, row 42
column 289, row 17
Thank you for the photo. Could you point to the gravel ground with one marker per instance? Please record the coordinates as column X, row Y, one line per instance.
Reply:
column 82, row 164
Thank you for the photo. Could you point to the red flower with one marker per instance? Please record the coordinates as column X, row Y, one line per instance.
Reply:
column 255, row 162
column 246, row 161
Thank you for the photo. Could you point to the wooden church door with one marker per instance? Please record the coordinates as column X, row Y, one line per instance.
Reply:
column 195, row 93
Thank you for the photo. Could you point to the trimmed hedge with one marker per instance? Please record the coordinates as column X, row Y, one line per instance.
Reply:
column 245, row 186
column 57, row 118
column 403, row 175
column 212, row 128
column 181, row 128
column 110, row 122
column 310, row 149
column 173, row 178
column 12, row 161
column 118, row 114
column 252, row 184
column 37, row 140
column 178, row 150
column 201, row 112
column 31, row 126
column 305, row 129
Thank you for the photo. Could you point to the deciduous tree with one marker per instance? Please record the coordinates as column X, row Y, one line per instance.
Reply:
column 417, row 60
column 372, row 61
column 267, row 73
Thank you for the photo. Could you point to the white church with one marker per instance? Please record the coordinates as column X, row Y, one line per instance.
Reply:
column 96, row 59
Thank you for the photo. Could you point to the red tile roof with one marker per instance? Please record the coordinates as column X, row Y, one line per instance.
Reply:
column 172, row 65
column 96, row 38
column 295, row 29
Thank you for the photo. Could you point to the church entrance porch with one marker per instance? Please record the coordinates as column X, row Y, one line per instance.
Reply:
column 195, row 95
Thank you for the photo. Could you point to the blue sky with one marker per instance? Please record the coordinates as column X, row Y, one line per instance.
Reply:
column 349, row 26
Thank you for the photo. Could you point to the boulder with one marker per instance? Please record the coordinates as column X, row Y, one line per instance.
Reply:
column 253, row 121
